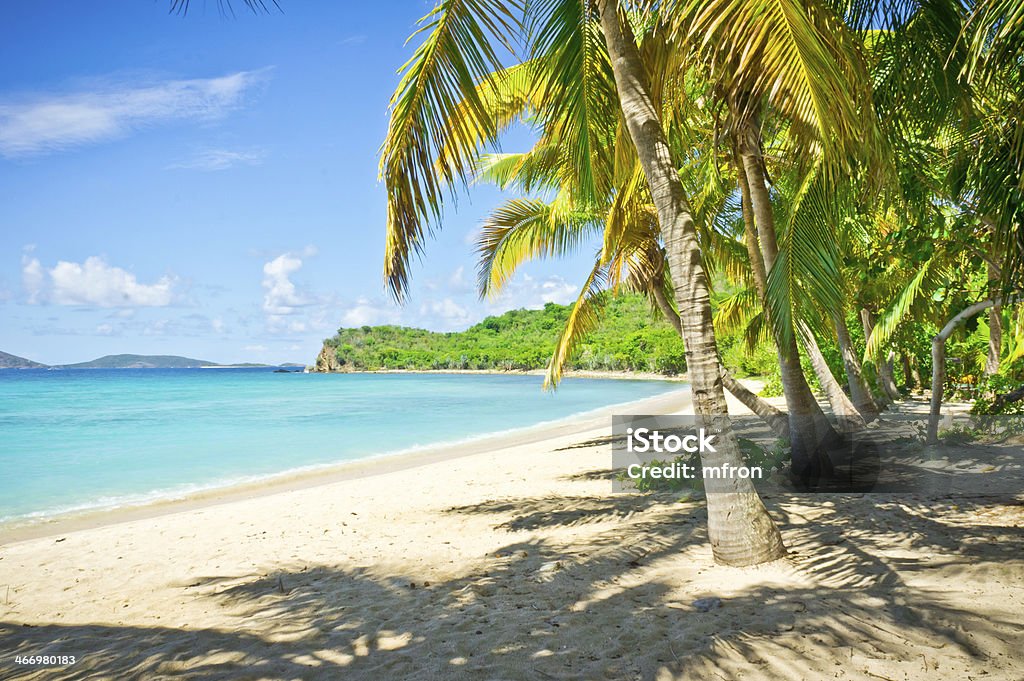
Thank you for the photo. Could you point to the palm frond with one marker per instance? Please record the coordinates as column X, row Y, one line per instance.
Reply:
column 580, row 105
column 894, row 315
column 807, row 271
column 526, row 229
column 581, row 321
column 799, row 56
column 456, row 55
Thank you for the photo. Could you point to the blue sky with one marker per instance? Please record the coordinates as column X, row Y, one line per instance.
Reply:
column 207, row 186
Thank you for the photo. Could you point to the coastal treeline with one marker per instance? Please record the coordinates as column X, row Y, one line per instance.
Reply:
column 629, row 338
column 853, row 172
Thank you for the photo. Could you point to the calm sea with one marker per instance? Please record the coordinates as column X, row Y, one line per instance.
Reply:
column 74, row 440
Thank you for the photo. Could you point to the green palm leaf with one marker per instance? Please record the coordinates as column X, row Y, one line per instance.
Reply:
column 526, row 229
column 457, row 54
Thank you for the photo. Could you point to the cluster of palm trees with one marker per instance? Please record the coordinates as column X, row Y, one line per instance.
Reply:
column 830, row 160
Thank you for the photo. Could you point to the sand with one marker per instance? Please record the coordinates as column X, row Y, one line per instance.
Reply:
column 510, row 559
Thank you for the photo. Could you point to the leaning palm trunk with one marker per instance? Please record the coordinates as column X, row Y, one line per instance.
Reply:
column 739, row 527
column 860, row 393
column 810, row 432
column 939, row 359
column 775, row 419
column 850, row 420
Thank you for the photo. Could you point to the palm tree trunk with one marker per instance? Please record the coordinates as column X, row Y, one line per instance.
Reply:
column 809, row 429
column 995, row 340
column 939, row 358
column 860, row 393
column 850, row 420
column 739, row 527
column 916, row 373
column 995, row 331
column 775, row 419
column 888, row 377
column 908, row 371
column 883, row 367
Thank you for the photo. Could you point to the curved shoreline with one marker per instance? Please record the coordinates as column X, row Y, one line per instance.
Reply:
column 305, row 478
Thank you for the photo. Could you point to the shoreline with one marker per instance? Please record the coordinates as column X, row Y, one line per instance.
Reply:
column 609, row 375
column 518, row 560
column 16, row 531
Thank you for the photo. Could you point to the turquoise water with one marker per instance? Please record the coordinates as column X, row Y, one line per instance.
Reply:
column 92, row 438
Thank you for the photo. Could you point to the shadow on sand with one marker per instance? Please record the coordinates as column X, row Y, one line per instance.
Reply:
column 551, row 608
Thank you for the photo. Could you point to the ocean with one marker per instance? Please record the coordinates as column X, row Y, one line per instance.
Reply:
column 77, row 440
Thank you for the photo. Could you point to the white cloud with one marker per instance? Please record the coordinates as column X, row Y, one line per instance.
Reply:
column 367, row 313
column 281, row 297
column 92, row 283
column 53, row 122
column 445, row 314
column 255, row 348
column 105, row 330
column 531, row 293
column 458, row 283
column 219, row 159
column 558, row 290
column 33, row 279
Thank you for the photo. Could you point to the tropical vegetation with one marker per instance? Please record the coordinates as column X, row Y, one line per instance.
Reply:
column 629, row 338
column 840, row 168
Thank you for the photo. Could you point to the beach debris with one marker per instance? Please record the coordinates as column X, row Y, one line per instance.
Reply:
column 60, row 540
column 707, row 604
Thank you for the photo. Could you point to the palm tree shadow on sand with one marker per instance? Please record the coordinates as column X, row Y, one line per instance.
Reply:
column 599, row 609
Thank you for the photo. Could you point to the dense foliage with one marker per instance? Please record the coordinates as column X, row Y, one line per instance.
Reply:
column 629, row 338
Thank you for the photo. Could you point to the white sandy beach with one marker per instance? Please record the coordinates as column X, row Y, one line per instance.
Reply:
column 510, row 559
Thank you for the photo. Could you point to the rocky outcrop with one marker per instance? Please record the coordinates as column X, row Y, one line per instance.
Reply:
column 327, row 361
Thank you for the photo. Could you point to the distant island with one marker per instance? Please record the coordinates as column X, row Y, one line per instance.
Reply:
column 9, row 361
column 629, row 337
column 141, row 362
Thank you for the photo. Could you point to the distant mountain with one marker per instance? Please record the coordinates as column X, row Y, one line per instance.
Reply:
column 141, row 362
column 8, row 361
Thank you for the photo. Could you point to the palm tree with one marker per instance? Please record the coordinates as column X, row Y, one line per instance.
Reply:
column 734, row 499
column 792, row 66
column 440, row 124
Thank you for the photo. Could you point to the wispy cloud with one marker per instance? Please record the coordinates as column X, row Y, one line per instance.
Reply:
column 45, row 123
column 219, row 159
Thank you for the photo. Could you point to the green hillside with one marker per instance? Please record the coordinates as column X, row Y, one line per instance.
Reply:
column 141, row 362
column 629, row 337
column 9, row 361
